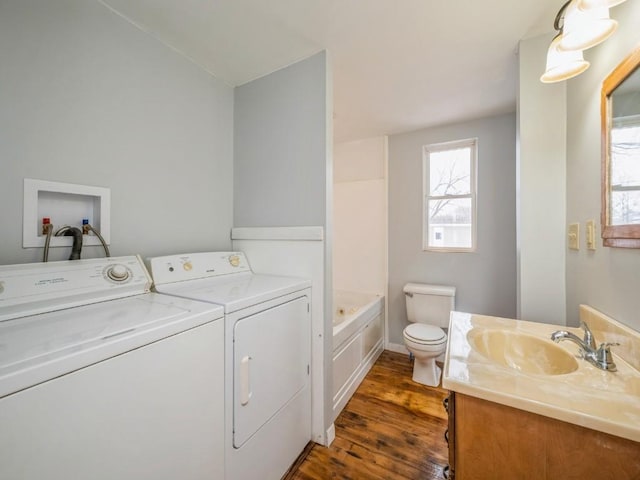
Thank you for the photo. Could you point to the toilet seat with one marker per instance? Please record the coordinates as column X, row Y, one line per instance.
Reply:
column 422, row 334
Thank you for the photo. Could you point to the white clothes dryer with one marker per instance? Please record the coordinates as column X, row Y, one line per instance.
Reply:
column 101, row 379
column 267, row 356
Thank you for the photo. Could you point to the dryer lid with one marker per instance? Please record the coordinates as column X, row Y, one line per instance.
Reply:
column 235, row 292
column 425, row 334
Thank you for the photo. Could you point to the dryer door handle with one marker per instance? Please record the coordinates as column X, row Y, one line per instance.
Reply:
column 245, row 388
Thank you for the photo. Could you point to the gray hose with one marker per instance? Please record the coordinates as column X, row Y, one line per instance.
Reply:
column 76, row 249
column 47, row 241
column 104, row 244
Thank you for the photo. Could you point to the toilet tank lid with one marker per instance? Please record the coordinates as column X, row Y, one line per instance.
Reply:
column 424, row 289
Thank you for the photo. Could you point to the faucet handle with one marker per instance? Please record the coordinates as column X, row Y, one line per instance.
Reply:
column 604, row 357
column 588, row 335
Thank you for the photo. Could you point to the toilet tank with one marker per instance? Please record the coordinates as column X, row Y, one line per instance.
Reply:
column 429, row 304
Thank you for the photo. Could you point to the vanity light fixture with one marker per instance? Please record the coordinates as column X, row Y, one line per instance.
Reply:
column 581, row 24
column 587, row 4
column 584, row 29
column 562, row 65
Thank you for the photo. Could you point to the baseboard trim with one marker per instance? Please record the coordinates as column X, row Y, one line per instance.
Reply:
column 397, row 347
column 331, row 434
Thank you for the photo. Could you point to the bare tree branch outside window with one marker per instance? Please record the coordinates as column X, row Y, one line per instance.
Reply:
column 625, row 181
column 449, row 194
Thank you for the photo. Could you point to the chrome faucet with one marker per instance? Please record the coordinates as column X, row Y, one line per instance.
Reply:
column 599, row 357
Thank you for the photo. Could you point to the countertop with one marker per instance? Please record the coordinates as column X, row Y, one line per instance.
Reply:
column 605, row 401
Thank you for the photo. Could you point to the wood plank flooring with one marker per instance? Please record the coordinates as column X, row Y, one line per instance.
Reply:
column 392, row 428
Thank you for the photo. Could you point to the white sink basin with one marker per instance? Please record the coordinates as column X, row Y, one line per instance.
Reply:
column 522, row 352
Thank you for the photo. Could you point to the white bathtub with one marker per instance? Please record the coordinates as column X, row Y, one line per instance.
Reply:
column 358, row 329
column 351, row 311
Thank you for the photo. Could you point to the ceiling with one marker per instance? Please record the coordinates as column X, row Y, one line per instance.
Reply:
column 398, row 65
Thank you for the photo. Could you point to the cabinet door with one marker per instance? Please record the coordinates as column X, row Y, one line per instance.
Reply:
column 504, row 443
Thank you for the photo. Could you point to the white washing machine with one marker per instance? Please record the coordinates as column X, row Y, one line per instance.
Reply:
column 101, row 379
column 267, row 356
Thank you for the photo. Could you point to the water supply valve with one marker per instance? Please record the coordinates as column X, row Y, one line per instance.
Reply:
column 46, row 225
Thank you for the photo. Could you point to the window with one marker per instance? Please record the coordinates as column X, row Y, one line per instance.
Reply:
column 625, row 171
column 449, row 210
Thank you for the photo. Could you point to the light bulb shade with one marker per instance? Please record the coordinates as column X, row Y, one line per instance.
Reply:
column 562, row 65
column 590, row 4
column 584, row 29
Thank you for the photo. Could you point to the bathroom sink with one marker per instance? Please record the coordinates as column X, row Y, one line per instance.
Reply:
column 522, row 352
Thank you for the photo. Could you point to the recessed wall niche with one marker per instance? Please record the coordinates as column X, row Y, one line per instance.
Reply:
column 64, row 204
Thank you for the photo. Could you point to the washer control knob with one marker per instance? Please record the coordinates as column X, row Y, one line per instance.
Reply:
column 187, row 266
column 118, row 273
column 234, row 260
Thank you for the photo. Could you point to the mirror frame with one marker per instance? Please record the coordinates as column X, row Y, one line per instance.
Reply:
column 625, row 236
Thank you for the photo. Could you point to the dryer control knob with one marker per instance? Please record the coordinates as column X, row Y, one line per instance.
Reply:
column 234, row 260
column 118, row 273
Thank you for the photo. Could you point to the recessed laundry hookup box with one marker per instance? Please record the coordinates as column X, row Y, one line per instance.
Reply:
column 64, row 204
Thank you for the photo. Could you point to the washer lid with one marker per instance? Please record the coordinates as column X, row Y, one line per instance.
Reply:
column 425, row 334
column 38, row 348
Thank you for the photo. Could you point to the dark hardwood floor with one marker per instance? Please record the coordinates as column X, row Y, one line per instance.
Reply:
column 392, row 428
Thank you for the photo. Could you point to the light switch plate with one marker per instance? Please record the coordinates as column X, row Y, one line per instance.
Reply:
column 574, row 236
column 591, row 234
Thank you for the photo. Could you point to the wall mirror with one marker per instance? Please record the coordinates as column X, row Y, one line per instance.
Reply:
column 620, row 111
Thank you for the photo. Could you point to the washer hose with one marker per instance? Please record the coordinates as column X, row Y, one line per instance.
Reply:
column 77, row 240
column 89, row 228
column 45, row 255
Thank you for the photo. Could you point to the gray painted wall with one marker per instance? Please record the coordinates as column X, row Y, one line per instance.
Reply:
column 88, row 98
column 280, row 143
column 485, row 279
column 609, row 278
column 541, row 188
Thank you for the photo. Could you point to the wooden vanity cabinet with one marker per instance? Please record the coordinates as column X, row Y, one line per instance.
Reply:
column 450, row 435
column 495, row 442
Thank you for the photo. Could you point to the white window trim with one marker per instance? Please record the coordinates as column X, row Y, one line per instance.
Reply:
column 438, row 147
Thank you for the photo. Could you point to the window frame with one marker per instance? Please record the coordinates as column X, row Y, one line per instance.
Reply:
column 427, row 150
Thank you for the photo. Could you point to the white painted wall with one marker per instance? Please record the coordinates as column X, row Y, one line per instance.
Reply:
column 485, row 279
column 87, row 98
column 541, row 188
column 360, row 160
column 360, row 216
column 609, row 278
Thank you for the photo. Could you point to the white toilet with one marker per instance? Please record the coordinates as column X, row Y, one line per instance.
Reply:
column 428, row 309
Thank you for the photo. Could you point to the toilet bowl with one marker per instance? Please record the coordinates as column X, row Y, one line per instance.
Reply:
column 426, row 343
column 428, row 310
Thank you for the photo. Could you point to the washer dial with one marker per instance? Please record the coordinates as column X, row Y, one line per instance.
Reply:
column 118, row 273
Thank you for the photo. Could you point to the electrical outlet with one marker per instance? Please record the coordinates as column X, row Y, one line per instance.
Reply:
column 574, row 236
